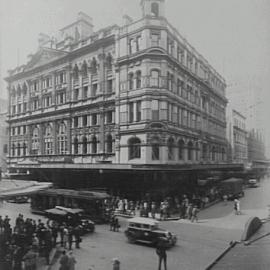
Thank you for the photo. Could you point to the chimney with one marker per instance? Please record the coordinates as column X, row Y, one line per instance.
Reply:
column 43, row 39
column 127, row 20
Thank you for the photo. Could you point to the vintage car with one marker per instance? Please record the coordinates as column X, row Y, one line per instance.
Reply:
column 71, row 217
column 146, row 230
column 19, row 199
column 253, row 183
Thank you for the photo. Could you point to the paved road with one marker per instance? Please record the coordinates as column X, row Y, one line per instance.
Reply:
column 198, row 244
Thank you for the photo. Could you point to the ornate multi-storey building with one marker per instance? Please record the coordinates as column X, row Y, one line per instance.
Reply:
column 237, row 136
column 126, row 96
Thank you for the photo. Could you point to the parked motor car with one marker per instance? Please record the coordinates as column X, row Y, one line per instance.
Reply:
column 232, row 188
column 19, row 199
column 72, row 217
column 146, row 230
column 87, row 225
column 253, row 183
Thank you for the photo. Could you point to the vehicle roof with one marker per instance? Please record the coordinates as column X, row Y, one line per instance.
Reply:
column 232, row 180
column 69, row 210
column 56, row 211
column 148, row 221
column 79, row 194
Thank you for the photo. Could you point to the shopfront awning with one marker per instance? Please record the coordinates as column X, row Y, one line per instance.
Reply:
column 31, row 188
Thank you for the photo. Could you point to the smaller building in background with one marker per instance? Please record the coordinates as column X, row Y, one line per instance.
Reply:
column 237, row 136
column 3, row 134
column 256, row 146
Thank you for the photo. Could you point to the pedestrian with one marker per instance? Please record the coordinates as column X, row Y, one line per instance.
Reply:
column 65, row 237
column 77, row 235
column 71, row 261
column 195, row 212
column 30, row 260
column 64, row 261
column 162, row 255
column 70, row 238
column 225, row 199
column 236, row 206
column 116, row 225
column 112, row 228
column 189, row 211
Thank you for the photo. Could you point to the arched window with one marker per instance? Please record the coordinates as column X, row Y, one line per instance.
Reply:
column 84, row 69
column 131, row 81
column 190, row 149
column 155, row 9
column 76, row 145
column 75, row 72
column 138, row 79
column 94, row 65
column 155, row 148
column 109, row 143
column 134, row 148
column 171, row 149
column 154, row 78
column 48, row 141
column 181, row 145
column 84, row 145
column 94, row 145
column 62, row 139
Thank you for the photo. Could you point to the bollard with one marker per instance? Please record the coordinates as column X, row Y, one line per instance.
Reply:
column 116, row 264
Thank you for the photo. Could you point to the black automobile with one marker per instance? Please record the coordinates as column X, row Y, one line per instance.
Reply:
column 87, row 226
column 71, row 217
column 146, row 230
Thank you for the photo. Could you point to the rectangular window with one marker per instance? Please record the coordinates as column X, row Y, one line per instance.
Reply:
column 19, row 108
column 85, row 92
column 155, row 110
column 24, row 107
column 76, row 121
column 94, row 119
column 139, row 111
column 61, row 98
column 109, row 86
column 155, row 152
column 13, row 109
column 155, row 37
column 94, row 89
column 109, row 117
column 84, row 120
column 131, row 112
column 19, row 130
column 76, row 94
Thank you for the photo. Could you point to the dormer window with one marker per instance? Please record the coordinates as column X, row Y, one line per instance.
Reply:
column 155, row 9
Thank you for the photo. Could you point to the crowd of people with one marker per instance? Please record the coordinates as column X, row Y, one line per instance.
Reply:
column 186, row 207
column 22, row 244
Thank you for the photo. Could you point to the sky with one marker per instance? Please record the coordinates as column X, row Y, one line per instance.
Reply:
column 233, row 35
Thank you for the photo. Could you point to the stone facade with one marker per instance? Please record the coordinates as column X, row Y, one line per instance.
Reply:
column 135, row 94
column 237, row 136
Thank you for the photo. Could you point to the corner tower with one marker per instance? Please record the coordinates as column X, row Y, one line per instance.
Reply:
column 153, row 8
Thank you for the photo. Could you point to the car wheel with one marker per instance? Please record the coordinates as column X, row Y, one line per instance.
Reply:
column 131, row 239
